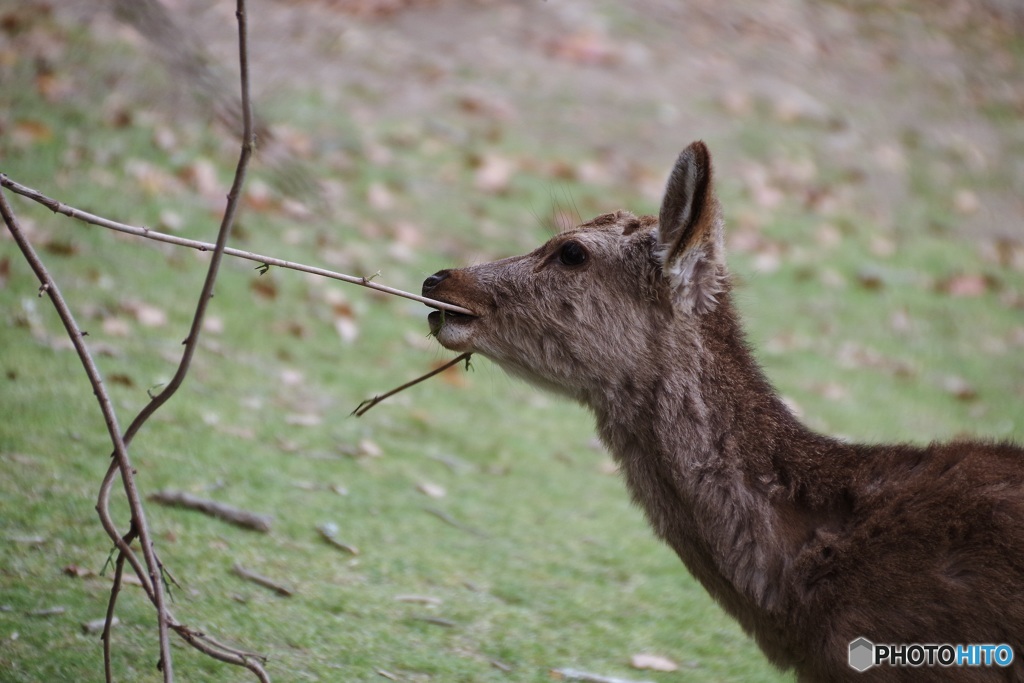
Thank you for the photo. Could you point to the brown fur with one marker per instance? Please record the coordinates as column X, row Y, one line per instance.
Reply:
column 807, row 541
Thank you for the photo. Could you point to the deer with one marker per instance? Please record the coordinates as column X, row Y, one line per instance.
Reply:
column 808, row 541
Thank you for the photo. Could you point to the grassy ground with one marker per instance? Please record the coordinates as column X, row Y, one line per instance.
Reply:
column 877, row 328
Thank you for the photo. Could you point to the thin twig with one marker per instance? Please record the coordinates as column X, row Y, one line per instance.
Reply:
column 371, row 402
column 108, row 622
column 192, row 340
column 264, row 581
column 222, row 511
column 86, row 217
column 211, row 647
column 329, row 532
column 138, row 524
column 451, row 521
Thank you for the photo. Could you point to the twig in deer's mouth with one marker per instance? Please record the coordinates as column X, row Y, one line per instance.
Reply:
column 371, row 402
column 437, row 319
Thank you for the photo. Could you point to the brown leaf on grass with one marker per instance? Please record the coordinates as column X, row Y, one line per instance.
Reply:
column 116, row 326
column 853, row 356
column 833, row 391
column 959, row 388
column 652, row 663
column 303, row 419
column 5, row 271
column 1017, row 336
column 454, row 376
column 586, row 47
column 122, row 379
column 150, row 178
column 430, row 489
column 264, row 287
column 370, row 449
column 60, row 247
column 78, row 572
column 170, row 221
column 145, row 314
column 967, row 285
column 213, row 324
column 485, row 106
column 52, row 87
column 966, row 202
column 379, row 197
column 366, row 448
column 870, row 279
column 420, row 600
column 346, row 328
column 97, row 625
column 290, row 377
column 201, row 176
column 28, row 132
column 493, row 174
column 259, row 197
column 1006, row 251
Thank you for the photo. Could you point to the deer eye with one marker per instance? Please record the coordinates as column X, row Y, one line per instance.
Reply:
column 572, row 254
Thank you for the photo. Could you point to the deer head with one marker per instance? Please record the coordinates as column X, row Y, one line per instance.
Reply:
column 590, row 308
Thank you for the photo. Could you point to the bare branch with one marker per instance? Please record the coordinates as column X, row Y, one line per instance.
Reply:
column 110, row 417
column 211, row 647
column 92, row 219
column 223, row 511
column 108, row 622
column 264, row 581
column 329, row 532
column 371, row 402
column 451, row 521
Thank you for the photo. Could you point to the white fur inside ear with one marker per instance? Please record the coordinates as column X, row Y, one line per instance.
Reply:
column 695, row 280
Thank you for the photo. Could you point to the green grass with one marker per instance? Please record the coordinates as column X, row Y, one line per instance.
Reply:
column 563, row 572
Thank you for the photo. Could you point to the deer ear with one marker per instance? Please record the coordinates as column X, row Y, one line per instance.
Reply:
column 690, row 233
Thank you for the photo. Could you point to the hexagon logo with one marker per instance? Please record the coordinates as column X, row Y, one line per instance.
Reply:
column 862, row 654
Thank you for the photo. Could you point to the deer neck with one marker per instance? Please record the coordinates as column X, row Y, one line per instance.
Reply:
column 699, row 435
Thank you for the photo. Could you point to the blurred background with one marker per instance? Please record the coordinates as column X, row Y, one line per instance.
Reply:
column 870, row 161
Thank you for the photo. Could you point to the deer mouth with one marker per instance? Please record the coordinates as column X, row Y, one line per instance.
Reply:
column 440, row 319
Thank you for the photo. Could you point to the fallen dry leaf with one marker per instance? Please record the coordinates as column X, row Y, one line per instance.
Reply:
column 201, row 176
column 455, row 375
column 115, row 326
column 493, row 175
column 587, row 47
column 420, row 599
column 968, row 285
column 379, row 197
column 122, row 379
column 264, row 287
column 304, row 419
column 959, row 388
column 213, row 324
column 60, row 247
column 966, row 202
column 430, row 489
column 369, row 448
column 291, row 377
column 27, row 132
column 653, row 663
column 346, row 328
column 145, row 314
column 78, row 572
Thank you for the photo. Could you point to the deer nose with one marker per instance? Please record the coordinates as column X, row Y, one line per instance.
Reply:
column 431, row 283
